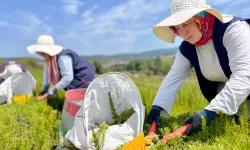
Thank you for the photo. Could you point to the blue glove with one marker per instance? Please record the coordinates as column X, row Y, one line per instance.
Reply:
column 44, row 90
column 195, row 120
column 154, row 115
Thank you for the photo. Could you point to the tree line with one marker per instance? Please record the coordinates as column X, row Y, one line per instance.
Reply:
column 157, row 66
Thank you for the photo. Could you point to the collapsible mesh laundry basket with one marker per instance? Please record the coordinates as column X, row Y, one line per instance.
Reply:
column 108, row 96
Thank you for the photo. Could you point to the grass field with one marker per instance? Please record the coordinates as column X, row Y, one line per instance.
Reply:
column 25, row 126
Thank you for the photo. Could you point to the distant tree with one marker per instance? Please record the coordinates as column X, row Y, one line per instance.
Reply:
column 138, row 65
column 99, row 67
column 158, row 65
column 131, row 66
column 118, row 67
column 33, row 64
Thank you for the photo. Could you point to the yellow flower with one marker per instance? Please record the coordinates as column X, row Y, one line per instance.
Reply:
column 20, row 98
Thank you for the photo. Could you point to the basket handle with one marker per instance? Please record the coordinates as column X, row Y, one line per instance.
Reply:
column 152, row 130
column 182, row 130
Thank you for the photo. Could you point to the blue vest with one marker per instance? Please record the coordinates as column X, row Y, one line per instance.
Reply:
column 3, row 66
column 83, row 71
column 209, row 88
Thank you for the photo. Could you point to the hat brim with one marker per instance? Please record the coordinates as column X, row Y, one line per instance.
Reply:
column 50, row 50
column 10, row 70
column 163, row 31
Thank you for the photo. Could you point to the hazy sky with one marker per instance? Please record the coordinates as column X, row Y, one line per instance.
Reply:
column 92, row 26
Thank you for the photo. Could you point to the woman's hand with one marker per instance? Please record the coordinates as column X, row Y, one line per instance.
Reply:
column 154, row 115
column 196, row 120
column 44, row 96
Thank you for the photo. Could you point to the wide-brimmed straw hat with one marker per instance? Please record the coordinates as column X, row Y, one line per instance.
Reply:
column 45, row 43
column 10, row 70
column 180, row 12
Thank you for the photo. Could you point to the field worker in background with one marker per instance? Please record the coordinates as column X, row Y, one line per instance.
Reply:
column 10, row 68
column 218, row 47
column 64, row 69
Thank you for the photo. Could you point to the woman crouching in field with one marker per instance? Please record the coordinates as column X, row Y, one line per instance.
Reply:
column 64, row 69
column 9, row 68
column 218, row 47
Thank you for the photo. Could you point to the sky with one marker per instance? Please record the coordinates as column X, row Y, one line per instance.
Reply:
column 92, row 27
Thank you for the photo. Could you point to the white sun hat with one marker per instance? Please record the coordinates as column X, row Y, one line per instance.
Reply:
column 10, row 70
column 45, row 43
column 181, row 11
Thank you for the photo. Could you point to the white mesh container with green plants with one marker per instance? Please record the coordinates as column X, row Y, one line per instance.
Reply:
column 112, row 114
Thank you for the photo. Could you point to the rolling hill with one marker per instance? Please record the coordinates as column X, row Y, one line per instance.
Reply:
column 119, row 58
column 104, row 59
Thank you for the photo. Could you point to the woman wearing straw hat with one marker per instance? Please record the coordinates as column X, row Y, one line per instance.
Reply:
column 218, row 47
column 10, row 68
column 64, row 69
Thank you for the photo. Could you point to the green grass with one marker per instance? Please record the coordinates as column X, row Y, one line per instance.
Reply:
column 223, row 133
column 34, row 131
column 33, row 125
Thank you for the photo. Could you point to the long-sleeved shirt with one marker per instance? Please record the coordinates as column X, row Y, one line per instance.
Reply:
column 237, row 43
column 66, row 71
